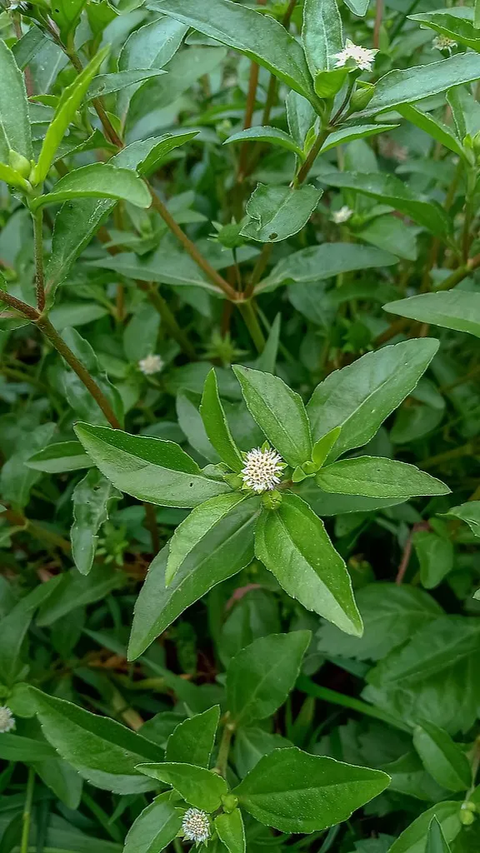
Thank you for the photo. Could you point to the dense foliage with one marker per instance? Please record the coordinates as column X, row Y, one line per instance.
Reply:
column 239, row 426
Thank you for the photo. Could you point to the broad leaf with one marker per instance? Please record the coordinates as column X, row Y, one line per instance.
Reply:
column 101, row 750
column 291, row 790
column 199, row 787
column 259, row 37
column 91, row 498
column 291, row 541
column 322, row 34
column 456, row 309
column 378, row 477
column 435, row 555
column 192, row 741
column 150, row 469
column 360, row 396
column 221, row 554
column 278, row 411
column 436, row 842
column 155, row 827
column 14, row 122
column 276, row 212
column 100, row 180
column 260, row 676
column 267, row 134
column 412, row 839
column 231, row 831
column 443, row 758
column 216, row 425
column 469, row 513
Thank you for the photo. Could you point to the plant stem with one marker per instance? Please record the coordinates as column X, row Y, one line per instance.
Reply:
column 314, row 151
column 38, row 252
column 378, row 23
column 27, row 811
column 251, row 321
column 247, row 122
column 460, row 273
column 151, row 525
column 306, row 685
column 168, row 318
column 224, row 748
column 259, row 267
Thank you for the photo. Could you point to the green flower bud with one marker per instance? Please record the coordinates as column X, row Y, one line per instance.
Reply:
column 229, row 802
column 19, row 163
column 361, row 97
column 272, row 500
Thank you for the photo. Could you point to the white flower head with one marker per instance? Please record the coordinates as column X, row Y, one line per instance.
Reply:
column 151, row 364
column 342, row 215
column 361, row 57
column 262, row 469
column 7, row 720
column 196, row 826
column 443, row 43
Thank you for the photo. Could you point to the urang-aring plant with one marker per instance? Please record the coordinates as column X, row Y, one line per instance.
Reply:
column 275, row 466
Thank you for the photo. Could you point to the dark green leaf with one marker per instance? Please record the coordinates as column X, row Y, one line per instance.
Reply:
column 413, row 839
column 155, row 827
column 199, row 787
column 14, row 123
column 442, row 757
column 322, row 34
column 91, row 498
column 457, row 309
column 435, row 555
column 216, row 426
column 99, row 180
column 267, row 134
column 436, row 842
column 378, row 477
column 192, row 741
column 276, row 213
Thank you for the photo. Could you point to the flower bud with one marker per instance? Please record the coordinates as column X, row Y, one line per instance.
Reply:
column 362, row 96
column 19, row 163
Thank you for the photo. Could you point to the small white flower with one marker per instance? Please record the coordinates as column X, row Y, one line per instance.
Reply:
column 342, row 215
column 7, row 720
column 262, row 469
column 196, row 826
column 151, row 364
column 443, row 43
column 362, row 57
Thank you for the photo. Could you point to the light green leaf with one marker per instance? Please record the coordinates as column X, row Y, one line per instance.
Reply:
column 412, row 839
column 442, row 757
column 392, row 234
column 224, row 552
column 99, row 180
column 322, row 34
column 358, row 7
column 16, row 748
column 12, row 177
column 150, row 469
column 431, row 125
column 259, row 37
column 192, row 741
column 69, row 103
column 162, row 147
column 291, row 790
column 276, row 213
column 60, row 457
column 101, row 750
column 267, row 134
column 155, row 827
column 14, row 122
column 199, row 787
column 378, row 477
column 360, row 396
column 456, row 309
column 357, row 131
column 67, row 16
column 231, row 831
column 321, row 262
column 91, row 498
column 458, row 28
column 292, row 543
column 389, row 189
column 105, row 84
column 278, row 411
column 469, row 513
column 435, row 555
column 260, row 676
column 216, row 425
column 436, row 842
column 191, row 532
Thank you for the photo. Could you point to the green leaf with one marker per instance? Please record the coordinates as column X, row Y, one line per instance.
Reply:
column 278, row 411
column 276, row 213
column 391, row 190
column 292, row 790
column 392, row 234
column 59, row 457
column 350, row 133
column 16, row 748
column 378, row 477
column 292, row 543
column 216, row 425
column 360, row 396
column 358, row 7
column 105, row 84
column 321, row 262
column 150, row 469
column 259, row 37
column 12, row 177
column 322, row 34
column 260, row 676
column 442, row 757
column 435, row 128
column 67, row 16
column 91, row 498
column 273, row 135
column 412, row 839
column 155, row 827
column 436, row 842
column 251, row 743
column 197, row 526
column 226, row 550
column 423, row 81
column 13, row 630
column 192, row 741
column 456, row 309
column 435, row 555
column 231, row 831
column 324, row 446
column 199, row 787
column 73, row 590
column 14, row 122
column 457, row 28
column 162, row 147
column 68, row 105
column 101, row 750
column 469, row 513
column 99, row 180
column 77, row 394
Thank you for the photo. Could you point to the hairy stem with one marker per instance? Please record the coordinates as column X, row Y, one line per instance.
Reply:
column 38, row 252
column 314, row 152
column 251, row 321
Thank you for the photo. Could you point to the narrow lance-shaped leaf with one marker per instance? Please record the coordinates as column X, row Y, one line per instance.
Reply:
column 457, row 309
column 231, row 831
column 378, row 477
column 459, row 29
column 216, row 425
column 322, row 34
column 436, row 841
column 442, row 757
column 99, row 180
column 92, row 497
column 155, row 827
column 60, row 457
column 273, row 135
column 14, row 122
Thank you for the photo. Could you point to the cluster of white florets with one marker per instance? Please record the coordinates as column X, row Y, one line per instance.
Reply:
column 7, row 720
column 262, row 470
column 196, row 826
column 361, row 57
column 151, row 364
column 342, row 215
column 443, row 43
